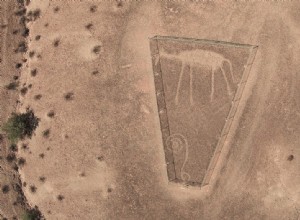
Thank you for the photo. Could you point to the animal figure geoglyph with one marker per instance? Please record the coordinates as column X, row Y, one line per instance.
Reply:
column 203, row 58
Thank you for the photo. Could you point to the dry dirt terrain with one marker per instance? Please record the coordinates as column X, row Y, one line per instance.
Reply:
column 98, row 150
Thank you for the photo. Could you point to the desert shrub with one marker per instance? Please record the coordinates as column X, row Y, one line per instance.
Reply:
column 21, row 161
column 56, row 9
column 69, row 96
column 5, row 189
column 33, row 72
column 37, row 37
column 21, row 125
column 18, row 65
column 51, row 114
column 97, row 49
column 24, row 91
column 22, row 47
column 93, row 8
column 56, row 43
column 291, row 157
column 33, row 188
column 13, row 147
column 42, row 155
column 12, row 86
column 16, row 77
column 11, row 157
column 21, row 12
column 42, row 179
column 31, row 54
column 95, row 72
column 46, row 133
column 15, row 32
column 37, row 97
column 25, row 32
column 60, row 197
column 33, row 214
column 89, row 26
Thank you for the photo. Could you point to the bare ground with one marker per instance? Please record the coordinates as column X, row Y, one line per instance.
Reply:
column 103, row 156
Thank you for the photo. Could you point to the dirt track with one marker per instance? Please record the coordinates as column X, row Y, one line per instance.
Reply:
column 105, row 144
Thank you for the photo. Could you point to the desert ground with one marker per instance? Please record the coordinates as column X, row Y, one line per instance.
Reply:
column 98, row 152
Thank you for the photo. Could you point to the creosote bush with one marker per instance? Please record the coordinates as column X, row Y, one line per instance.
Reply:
column 21, row 125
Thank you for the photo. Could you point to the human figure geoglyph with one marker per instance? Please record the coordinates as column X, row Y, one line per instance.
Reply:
column 203, row 58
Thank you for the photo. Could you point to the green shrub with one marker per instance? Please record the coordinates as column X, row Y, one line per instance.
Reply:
column 32, row 214
column 20, row 125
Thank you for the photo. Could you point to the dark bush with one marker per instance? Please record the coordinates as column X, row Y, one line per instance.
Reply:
column 12, row 86
column 21, row 125
column 5, row 189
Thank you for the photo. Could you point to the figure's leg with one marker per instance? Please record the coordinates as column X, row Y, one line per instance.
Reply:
column 227, row 83
column 179, row 83
column 231, row 72
column 212, row 84
column 191, row 86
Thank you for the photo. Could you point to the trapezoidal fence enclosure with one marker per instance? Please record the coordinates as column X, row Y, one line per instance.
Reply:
column 198, row 85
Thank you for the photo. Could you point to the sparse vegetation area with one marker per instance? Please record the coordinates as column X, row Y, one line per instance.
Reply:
column 21, row 125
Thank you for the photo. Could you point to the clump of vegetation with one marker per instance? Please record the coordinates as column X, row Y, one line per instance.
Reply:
column 15, row 32
column 56, row 43
column 21, row 12
column 97, row 49
column 13, row 147
column 22, row 47
column 33, row 214
column 89, row 26
column 18, row 65
column 5, row 189
column 23, row 91
column 21, row 125
column 109, row 190
column 21, row 161
column 37, row 97
column 56, row 9
column 60, row 197
column 33, row 188
column 33, row 72
column 11, row 157
column 93, row 8
column 42, row 155
column 31, row 54
column 95, row 72
column 51, row 114
column 12, row 86
column 100, row 158
column 291, row 157
column 16, row 77
column 37, row 37
column 46, row 133
column 33, row 15
column 25, row 32
column 42, row 179
column 69, row 96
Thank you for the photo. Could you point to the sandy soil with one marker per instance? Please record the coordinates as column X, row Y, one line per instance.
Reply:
column 101, row 153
